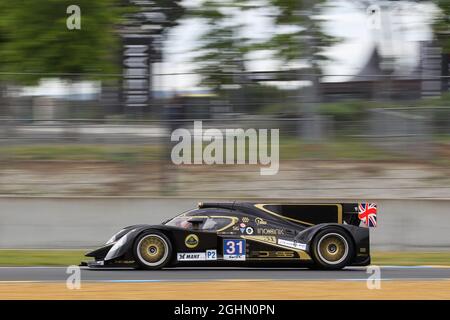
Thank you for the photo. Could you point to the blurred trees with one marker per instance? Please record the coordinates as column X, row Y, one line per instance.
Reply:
column 38, row 42
column 299, row 35
column 442, row 24
column 221, row 49
column 296, row 40
column 301, row 47
column 172, row 10
column 296, row 36
column 35, row 41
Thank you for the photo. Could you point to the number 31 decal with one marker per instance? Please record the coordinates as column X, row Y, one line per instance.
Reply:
column 234, row 249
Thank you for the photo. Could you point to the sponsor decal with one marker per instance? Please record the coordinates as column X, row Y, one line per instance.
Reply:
column 260, row 221
column 270, row 231
column 125, row 261
column 234, row 249
column 191, row 256
column 267, row 239
column 191, row 241
column 292, row 244
column 235, row 228
column 272, row 254
column 211, row 254
column 249, row 230
column 245, row 219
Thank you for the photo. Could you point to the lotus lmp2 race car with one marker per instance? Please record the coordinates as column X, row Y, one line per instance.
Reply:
column 243, row 234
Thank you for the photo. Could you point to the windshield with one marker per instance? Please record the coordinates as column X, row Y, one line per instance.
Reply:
column 205, row 223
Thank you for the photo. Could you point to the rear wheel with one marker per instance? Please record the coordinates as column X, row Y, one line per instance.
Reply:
column 332, row 249
column 152, row 250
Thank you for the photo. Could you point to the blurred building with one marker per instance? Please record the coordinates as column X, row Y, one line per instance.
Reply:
column 429, row 78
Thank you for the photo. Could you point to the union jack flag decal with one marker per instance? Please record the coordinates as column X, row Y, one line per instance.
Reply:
column 367, row 213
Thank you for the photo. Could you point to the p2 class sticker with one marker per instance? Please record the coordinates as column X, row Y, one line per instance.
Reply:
column 234, row 249
column 211, row 254
column 191, row 256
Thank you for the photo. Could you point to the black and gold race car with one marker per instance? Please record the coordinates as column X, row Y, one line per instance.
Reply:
column 326, row 236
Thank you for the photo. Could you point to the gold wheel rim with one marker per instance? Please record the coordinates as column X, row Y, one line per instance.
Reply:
column 152, row 249
column 333, row 248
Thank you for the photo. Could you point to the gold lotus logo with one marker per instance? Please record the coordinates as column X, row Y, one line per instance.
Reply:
column 191, row 241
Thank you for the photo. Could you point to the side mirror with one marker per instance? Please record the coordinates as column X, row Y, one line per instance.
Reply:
column 196, row 222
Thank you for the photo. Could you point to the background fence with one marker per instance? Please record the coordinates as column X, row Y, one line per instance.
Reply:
column 371, row 137
column 389, row 154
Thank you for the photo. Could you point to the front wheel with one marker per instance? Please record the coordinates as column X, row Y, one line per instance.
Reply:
column 332, row 249
column 152, row 250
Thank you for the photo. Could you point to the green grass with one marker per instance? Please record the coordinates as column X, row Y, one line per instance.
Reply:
column 411, row 258
column 41, row 257
column 74, row 257
column 290, row 148
column 119, row 153
column 334, row 149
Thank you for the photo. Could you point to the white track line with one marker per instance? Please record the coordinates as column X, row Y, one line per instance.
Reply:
column 221, row 280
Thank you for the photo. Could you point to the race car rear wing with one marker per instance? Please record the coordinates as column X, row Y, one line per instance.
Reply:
column 350, row 214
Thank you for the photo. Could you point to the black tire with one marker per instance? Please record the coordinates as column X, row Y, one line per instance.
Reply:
column 152, row 250
column 332, row 249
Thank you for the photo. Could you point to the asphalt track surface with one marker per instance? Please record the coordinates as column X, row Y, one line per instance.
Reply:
column 57, row 274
